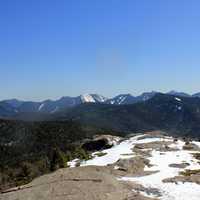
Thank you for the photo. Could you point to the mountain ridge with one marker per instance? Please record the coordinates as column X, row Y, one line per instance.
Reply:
column 53, row 106
column 177, row 115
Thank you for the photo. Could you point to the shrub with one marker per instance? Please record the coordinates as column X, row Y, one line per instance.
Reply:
column 58, row 160
column 189, row 172
column 81, row 154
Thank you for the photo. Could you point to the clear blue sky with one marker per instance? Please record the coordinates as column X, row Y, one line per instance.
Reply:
column 53, row 48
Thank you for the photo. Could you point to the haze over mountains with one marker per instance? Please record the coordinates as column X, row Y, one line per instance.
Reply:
column 13, row 107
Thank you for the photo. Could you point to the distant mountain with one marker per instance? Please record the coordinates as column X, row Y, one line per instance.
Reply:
column 14, row 102
column 6, row 110
column 122, row 99
column 174, row 114
column 18, row 109
column 29, row 107
column 92, row 98
column 49, row 106
column 181, row 94
column 196, row 95
column 146, row 96
column 15, row 107
column 129, row 99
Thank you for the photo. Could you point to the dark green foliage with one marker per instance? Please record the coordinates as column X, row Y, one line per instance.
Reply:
column 189, row 172
column 58, row 159
column 81, row 154
column 30, row 149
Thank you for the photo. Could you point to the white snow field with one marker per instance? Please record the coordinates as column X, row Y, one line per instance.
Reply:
column 169, row 191
column 119, row 151
column 160, row 162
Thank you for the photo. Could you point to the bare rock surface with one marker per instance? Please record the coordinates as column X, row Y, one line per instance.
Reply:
column 160, row 146
column 191, row 147
column 133, row 165
column 82, row 183
column 181, row 166
column 139, row 168
column 195, row 178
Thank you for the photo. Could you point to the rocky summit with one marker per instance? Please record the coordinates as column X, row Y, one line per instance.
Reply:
column 137, row 167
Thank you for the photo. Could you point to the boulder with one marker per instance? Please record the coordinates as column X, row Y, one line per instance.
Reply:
column 132, row 166
column 191, row 147
column 100, row 142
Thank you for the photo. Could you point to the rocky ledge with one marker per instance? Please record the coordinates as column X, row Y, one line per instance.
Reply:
column 140, row 167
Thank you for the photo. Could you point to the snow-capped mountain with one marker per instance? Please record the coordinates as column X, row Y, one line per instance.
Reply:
column 146, row 96
column 50, row 106
column 122, row 99
column 14, row 106
column 92, row 98
column 130, row 99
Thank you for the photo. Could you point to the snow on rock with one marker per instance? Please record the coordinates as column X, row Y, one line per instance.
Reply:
column 92, row 98
column 99, row 98
column 112, row 155
column 178, row 99
column 161, row 162
column 73, row 163
column 55, row 110
column 179, row 108
column 87, row 98
column 119, row 151
column 196, row 143
column 40, row 107
column 121, row 99
column 112, row 102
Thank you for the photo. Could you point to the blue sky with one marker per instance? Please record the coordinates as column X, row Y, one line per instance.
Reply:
column 53, row 48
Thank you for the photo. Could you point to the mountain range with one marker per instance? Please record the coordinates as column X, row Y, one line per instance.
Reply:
column 31, row 132
column 173, row 114
column 15, row 107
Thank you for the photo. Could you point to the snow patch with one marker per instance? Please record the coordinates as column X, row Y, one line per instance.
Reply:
column 122, row 99
column 40, row 107
column 55, row 110
column 112, row 102
column 161, row 163
column 73, row 163
column 120, row 151
column 86, row 98
column 99, row 98
column 177, row 99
